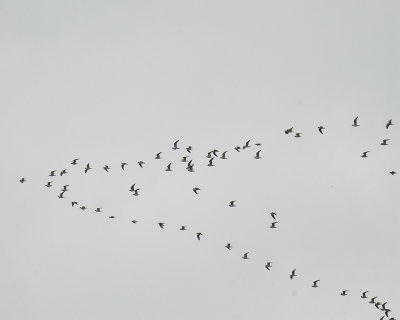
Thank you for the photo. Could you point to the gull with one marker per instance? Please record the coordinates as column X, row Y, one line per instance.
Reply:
column 384, row 142
column 190, row 168
column 188, row 149
column 257, row 156
column 175, row 147
column 161, row 224
column 61, row 195
column 48, row 185
column 74, row 162
column 198, row 234
column 228, row 246
column 273, row 215
column 111, row 217
column 224, row 155
column 73, row 203
column 210, row 162
column 298, row 135
column 106, row 167
column 134, row 221
column 245, row 256
column 293, row 274
column 168, row 167
column 364, row 295
column 290, row 130
column 83, row 208
column 355, row 124
column 387, row 312
column 392, row 173
column 132, row 187
column 247, row 145
column 65, row 188
column 384, row 306
column 52, row 173
column 184, row 159
column 364, row 154
column 373, row 300
column 141, row 163
column 22, row 180
column 63, row 172
column 214, row 152
column 136, row 192
column 183, row 228
column 123, row 164
column 98, row 210
column 258, row 144
column 344, row 293
column 237, row 148
column 87, row 167
column 320, row 128
column 268, row 265
column 377, row 305
column 232, row 203
column 209, row 156
column 195, row 189
column 389, row 123
column 158, row 156
column 315, row 284
column 273, row 225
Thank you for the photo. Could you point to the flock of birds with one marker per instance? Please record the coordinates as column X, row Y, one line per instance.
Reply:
column 212, row 155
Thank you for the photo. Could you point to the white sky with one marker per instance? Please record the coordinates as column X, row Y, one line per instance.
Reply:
column 108, row 82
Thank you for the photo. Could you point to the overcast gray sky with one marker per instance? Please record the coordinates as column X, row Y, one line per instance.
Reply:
column 108, row 82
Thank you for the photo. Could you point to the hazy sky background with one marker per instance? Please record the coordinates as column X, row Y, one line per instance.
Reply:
column 108, row 82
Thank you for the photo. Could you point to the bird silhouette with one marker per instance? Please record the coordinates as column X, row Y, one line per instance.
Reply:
column 273, row 215
column 298, row 135
column 183, row 228
column 232, row 203
column 247, row 145
column 132, row 187
column 257, row 156
column 158, row 156
column 237, row 148
column 344, row 293
column 196, row 189
column 268, row 265
column 210, row 162
column 73, row 203
column 228, row 246
column 364, row 154
column 392, row 172
column 61, row 195
column 293, row 274
column 364, row 294
column 134, row 221
column 273, row 225
column 65, row 188
column 98, row 210
column 223, row 156
column 168, row 167
column 136, row 192
column 63, row 172
column 87, row 167
column 48, row 185
column 290, row 130
column 83, row 208
column 106, row 167
column 141, row 163
column 175, row 147
column 161, row 224
column 389, row 123
column 245, row 256
column 355, row 124
column 189, row 149
column 320, row 128
column 373, row 300
column 22, row 180
column 111, row 217
column 198, row 234
column 74, row 162
column 184, row 159
column 123, row 165
column 315, row 285
column 384, row 142
column 52, row 173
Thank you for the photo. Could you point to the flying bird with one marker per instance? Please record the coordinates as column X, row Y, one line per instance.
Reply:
column 373, row 300
column 273, row 225
column 195, row 189
column 245, row 256
column 175, row 147
column 48, row 185
column 209, row 156
column 210, row 163
column 298, row 135
column 232, row 203
column 98, row 210
column 258, row 144
column 63, row 172
column 161, row 224
column 106, row 167
column 141, row 163
column 168, row 167
column 364, row 294
column 136, row 192
column 320, row 128
column 52, row 173
column 257, row 156
column 228, row 246
column 74, row 162
column 183, row 228
column 392, row 173
column 188, row 149
column 184, row 159
column 268, row 265
column 237, row 148
column 389, row 123
column 158, row 156
column 190, row 166
column 198, row 234
column 315, row 285
column 290, row 130
column 355, row 124
column 73, row 203
column 83, row 208
column 377, row 305
column 22, row 180
column 224, row 155
column 123, row 164
column 293, row 274
column 384, row 142
column 111, row 217
column 61, row 195
column 273, row 215
column 132, row 187
column 364, row 154
column 134, row 221
column 247, row 145
column 344, row 293
column 87, row 167
column 65, row 188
